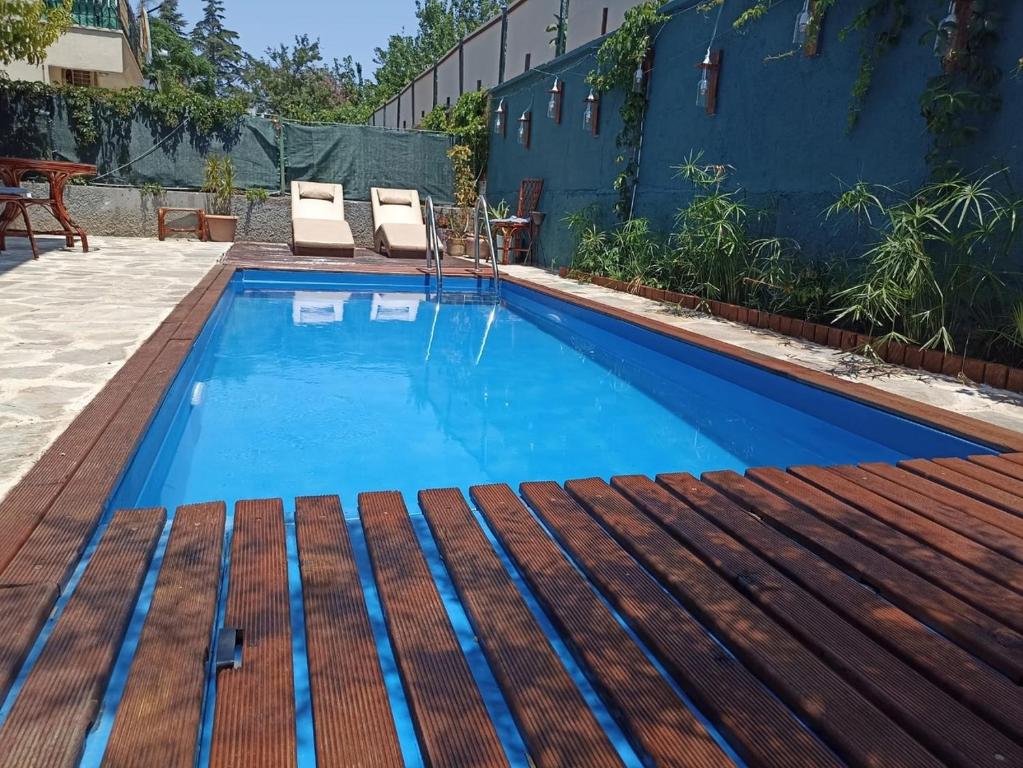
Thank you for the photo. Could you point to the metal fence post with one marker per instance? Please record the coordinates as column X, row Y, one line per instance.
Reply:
column 279, row 124
column 504, row 42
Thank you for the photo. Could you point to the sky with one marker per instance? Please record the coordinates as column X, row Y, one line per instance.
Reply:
column 344, row 27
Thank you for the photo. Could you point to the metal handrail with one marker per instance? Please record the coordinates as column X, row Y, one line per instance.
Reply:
column 433, row 243
column 481, row 204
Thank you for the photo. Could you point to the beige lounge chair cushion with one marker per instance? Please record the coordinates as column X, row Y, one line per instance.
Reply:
column 323, row 233
column 395, row 206
column 314, row 190
column 402, row 237
column 312, row 200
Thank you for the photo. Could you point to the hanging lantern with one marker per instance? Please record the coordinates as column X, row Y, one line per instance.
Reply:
column 524, row 126
column 703, row 87
column 554, row 102
column 948, row 31
column 802, row 29
column 639, row 79
column 499, row 119
column 707, row 87
column 591, row 113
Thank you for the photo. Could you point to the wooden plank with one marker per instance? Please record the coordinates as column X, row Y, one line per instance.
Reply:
column 351, row 710
column 936, row 720
column 980, row 592
column 533, row 679
column 1000, row 464
column 756, row 722
column 61, row 696
column 999, row 480
column 254, row 716
column 982, row 490
column 913, row 496
column 978, row 633
column 451, row 719
column 980, row 558
column 655, row 719
column 159, row 715
column 967, row 507
column 24, row 611
column 984, row 690
column 854, row 727
column 195, row 320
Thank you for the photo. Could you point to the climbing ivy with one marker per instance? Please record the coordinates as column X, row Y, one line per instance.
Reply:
column 952, row 99
column 617, row 59
column 87, row 107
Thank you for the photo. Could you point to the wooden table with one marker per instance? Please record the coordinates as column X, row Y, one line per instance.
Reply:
column 198, row 230
column 57, row 174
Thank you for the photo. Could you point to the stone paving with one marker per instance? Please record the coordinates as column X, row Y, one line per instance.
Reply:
column 985, row 403
column 70, row 320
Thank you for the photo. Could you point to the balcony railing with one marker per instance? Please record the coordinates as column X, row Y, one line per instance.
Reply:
column 107, row 14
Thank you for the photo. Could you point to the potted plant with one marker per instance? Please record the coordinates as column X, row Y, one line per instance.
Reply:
column 458, row 231
column 219, row 184
column 465, row 198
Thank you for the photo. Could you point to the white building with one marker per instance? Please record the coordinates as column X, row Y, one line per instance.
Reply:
column 106, row 47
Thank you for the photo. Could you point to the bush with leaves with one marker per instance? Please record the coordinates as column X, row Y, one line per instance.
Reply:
column 942, row 269
column 29, row 27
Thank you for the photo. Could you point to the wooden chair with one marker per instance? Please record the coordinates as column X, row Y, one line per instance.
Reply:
column 13, row 202
column 515, row 228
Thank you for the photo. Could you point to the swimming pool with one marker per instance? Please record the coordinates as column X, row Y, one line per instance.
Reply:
column 314, row 383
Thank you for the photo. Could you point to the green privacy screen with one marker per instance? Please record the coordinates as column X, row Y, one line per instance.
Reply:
column 140, row 150
column 360, row 157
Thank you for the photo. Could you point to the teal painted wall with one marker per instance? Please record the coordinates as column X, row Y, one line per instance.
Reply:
column 781, row 123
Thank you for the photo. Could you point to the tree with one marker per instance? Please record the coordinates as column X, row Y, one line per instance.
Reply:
column 441, row 24
column 171, row 16
column 294, row 82
column 175, row 62
column 219, row 46
column 29, row 27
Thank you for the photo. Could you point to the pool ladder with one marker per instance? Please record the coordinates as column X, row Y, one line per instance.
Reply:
column 481, row 205
column 433, row 251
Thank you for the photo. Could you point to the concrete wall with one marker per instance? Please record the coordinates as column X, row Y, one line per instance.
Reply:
column 127, row 212
column 527, row 34
column 482, row 56
column 781, row 124
column 404, row 118
column 586, row 16
column 422, row 96
column 447, row 80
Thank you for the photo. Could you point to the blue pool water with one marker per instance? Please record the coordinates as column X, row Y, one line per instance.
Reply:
column 309, row 384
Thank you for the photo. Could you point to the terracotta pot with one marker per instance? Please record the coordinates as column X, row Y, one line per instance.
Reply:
column 221, row 229
column 456, row 246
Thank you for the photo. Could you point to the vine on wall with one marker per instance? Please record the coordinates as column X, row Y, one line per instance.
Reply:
column 954, row 98
column 618, row 58
column 86, row 107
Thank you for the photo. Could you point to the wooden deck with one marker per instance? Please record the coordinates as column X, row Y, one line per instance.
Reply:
column 789, row 618
column 867, row 615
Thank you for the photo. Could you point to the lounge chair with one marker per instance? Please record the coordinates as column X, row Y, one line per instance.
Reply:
column 399, row 230
column 318, row 226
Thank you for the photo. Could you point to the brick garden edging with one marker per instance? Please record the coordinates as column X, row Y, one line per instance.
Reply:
column 909, row 356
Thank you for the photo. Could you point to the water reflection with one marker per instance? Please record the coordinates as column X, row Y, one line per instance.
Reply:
column 318, row 307
column 402, row 307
